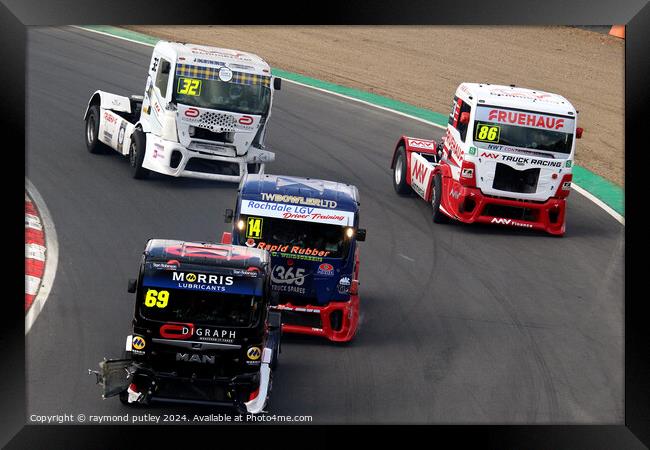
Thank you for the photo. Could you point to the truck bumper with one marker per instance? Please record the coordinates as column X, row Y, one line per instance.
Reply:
column 469, row 205
column 337, row 321
column 172, row 159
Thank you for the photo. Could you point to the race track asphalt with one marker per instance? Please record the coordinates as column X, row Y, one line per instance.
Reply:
column 460, row 324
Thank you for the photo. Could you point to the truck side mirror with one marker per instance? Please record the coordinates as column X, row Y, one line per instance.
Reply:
column 228, row 215
column 361, row 234
column 277, row 83
column 579, row 131
column 464, row 118
column 133, row 283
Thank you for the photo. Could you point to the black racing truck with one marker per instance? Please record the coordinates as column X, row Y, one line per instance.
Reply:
column 202, row 329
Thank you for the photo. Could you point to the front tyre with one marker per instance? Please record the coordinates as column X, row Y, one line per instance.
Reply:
column 136, row 155
column 93, row 144
column 436, row 195
column 399, row 172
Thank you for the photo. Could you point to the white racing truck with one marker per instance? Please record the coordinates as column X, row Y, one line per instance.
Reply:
column 203, row 115
column 505, row 159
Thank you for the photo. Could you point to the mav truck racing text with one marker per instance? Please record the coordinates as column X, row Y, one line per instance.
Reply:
column 506, row 158
column 203, row 115
column 202, row 329
column 311, row 228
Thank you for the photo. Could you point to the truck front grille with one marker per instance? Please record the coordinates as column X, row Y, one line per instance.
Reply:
column 311, row 320
column 512, row 180
column 212, row 166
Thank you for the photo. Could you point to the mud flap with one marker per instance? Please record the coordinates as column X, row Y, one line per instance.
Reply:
column 114, row 376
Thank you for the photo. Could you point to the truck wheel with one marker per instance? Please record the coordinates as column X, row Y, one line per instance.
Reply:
column 436, row 195
column 93, row 144
column 399, row 172
column 136, row 155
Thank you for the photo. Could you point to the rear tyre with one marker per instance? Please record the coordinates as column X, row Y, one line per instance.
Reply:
column 93, row 144
column 436, row 195
column 136, row 155
column 399, row 172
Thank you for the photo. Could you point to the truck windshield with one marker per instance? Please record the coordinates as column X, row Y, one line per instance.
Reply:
column 495, row 128
column 206, row 308
column 225, row 96
column 294, row 236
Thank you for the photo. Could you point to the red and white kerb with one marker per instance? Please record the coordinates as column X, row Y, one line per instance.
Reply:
column 34, row 252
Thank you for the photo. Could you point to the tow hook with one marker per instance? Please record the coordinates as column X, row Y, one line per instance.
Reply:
column 134, row 395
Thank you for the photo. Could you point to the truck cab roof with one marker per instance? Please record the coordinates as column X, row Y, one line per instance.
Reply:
column 477, row 94
column 204, row 55
column 343, row 197
column 206, row 254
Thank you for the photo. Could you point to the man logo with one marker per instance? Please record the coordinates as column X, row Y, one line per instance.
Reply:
column 254, row 353
column 138, row 342
column 190, row 277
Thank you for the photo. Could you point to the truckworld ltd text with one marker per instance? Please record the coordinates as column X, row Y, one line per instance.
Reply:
column 147, row 418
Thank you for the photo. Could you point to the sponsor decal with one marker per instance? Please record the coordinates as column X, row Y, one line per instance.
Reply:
column 522, row 160
column 566, row 186
column 292, row 289
column 292, row 249
column 253, row 273
column 138, row 342
column 453, row 146
column 568, row 163
column 176, row 330
column 522, row 94
column 120, row 134
column 525, row 119
column 158, row 151
column 296, row 212
column 325, row 269
column 192, row 112
column 298, row 200
column 201, row 359
column 213, row 334
column 418, row 143
column 344, row 285
column 205, row 251
column 188, row 330
column 455, row 193
column 254, row 353
column 110, row 118
column 511, row 222
column 202, row 281
column 164, row 266
column 283, row 275
column 246, row 120
column 505, row 148
column 472, row 151
column 225, row 74
column 251, row 242
column 419, row 171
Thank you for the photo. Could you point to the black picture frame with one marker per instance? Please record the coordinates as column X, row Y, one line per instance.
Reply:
column 16, row 15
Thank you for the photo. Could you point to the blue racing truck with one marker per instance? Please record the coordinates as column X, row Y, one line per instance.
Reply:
column 311, row 228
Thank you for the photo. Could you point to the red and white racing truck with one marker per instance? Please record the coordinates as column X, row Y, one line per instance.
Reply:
column 506, row 158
